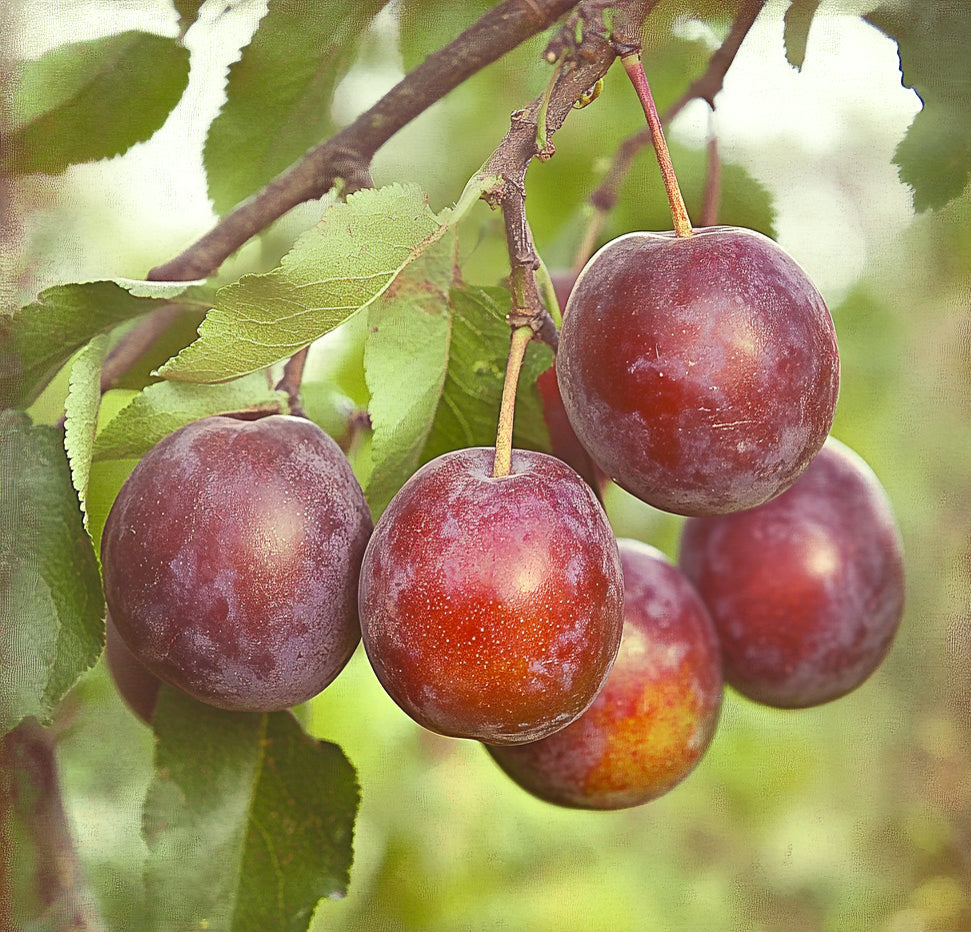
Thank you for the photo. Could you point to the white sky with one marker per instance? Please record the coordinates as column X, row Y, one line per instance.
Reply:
column 821, row 140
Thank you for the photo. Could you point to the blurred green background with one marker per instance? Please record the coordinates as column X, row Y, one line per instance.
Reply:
column 852, row 816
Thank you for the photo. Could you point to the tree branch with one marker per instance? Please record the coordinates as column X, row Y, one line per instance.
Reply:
column 347, row 155
column 580, row 66
column 705, row 88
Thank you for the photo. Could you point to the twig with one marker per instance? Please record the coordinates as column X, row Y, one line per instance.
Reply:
column 705, row 88
column 348, row 154
column 679, row 213
column 517, row 350
column 580, row 65
column 136, row 342
column 292, row 377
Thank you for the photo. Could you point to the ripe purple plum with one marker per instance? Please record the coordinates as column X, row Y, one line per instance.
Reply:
column 563, row 439
column 492, row 607
column 806, row 591
column 657, row 713
column 700, row 372
column 231, row 558
column 136, row 684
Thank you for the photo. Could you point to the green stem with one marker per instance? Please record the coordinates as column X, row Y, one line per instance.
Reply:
column 517, row 350
column 542, row 136
column 548, row 293
column 679, row 213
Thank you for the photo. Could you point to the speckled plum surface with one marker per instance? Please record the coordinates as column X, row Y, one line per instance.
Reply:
column 701, row 373
column 231, row 558
column 657, row 713
column 806, row 591
column 492, row 608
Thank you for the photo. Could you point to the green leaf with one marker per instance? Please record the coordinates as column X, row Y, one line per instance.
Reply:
column 249, row 819
column 405, row 362
column 92, row 100
column 279, row 93
column 166, row 406
column 332, row 272
column 426, row 26
column 37, row 340
column 469, row 410
column 81, row 414
column 51, row 605
column 933, row 40
column 743, row 200
column 798, row 19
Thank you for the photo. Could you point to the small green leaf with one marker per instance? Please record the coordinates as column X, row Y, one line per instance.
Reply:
column 469, row 410
column 332, row 272
column 933, row 40
column 248, row 818
column 405, row 362
column 81, row 414
column 798, row 19
column 164, row 407
column 279, row 93
column 51, row 605
column 92, row 100
column 39, row 339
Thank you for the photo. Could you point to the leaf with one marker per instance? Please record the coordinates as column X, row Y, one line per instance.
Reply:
column 247, row 817
column 469, row 410
column 166, row 406
column 426, row 26
column 933, row 38
column 798, row 20
column 279, row 93
column 92, row 100
column 405, row 362
column 51, row 605
column 37, row 340
column 332, row 272
column 81, row 414
column 743, row 200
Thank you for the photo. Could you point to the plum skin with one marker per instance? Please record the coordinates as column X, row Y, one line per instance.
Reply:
column 806, row 591
column 701, row 373
column 136, row 684
column 492, row 608
column 657, row 713
column 231, row 557
column 564, row 443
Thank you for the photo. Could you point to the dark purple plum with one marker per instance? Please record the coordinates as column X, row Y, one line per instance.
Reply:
column 806, row 591
column 657, row 713
column 231, row 559
column 700, row 372
column 492, row 608
column 563, row 439
column 136, row 684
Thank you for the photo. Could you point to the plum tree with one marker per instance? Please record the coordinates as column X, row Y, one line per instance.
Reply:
column 492, row 607
column 807, row 590
column 700, row 372
column 657, row 713
column 231, row 558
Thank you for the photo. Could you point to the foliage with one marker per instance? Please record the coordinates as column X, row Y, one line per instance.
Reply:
column 251, row 817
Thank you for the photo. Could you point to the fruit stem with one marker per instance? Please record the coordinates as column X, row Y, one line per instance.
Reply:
column 679, row 213
column 517, row 350
column 548, row 294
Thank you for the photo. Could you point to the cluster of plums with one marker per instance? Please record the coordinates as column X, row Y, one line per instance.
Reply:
column 699, row 373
